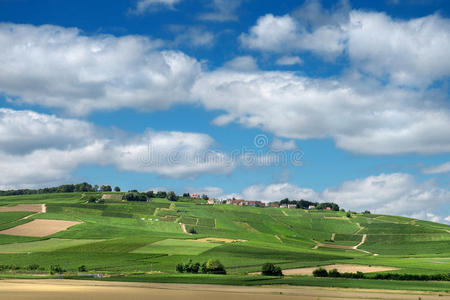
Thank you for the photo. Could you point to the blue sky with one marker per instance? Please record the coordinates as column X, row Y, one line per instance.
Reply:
column 327, row 101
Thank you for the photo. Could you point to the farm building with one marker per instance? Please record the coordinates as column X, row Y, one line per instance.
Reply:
column 274, row 205
column 292, row 206
column 311, row 207
column 195, row 196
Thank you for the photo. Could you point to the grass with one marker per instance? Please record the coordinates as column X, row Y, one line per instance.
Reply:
column 176, row 247
column 42, row 246
column 119, row 237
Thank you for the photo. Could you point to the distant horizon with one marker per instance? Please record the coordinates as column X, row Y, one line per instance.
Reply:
column 345, row 102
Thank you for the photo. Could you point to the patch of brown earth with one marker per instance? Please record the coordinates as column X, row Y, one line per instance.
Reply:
column 212, row 240
column 343, row 268
column 40, row 228
column 24, row 207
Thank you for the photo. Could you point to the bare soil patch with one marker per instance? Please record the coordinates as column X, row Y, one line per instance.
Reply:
column 40, row 228
column 112, row 196
column 212, row 240
column 38, row 208
column 40, row 289
column 343, row 268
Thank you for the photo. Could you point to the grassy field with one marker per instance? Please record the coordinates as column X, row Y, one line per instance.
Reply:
column 127, row 240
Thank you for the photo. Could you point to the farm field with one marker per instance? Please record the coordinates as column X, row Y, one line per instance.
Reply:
column 144, row 241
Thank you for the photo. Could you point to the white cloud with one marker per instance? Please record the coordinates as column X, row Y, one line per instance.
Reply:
column 289, row 61
column 412, row 52
column 59, row 67
column 144, row 6
column 25, row 131
column 280, row 145
column 172, row 154
column 443, row 168
column 222, row 11
column 272, row 33
column 396, row 193
column 210, row 191
column 193, row 36
column 447, row 219
column 244, row 63
column 276, row 192
column 357, row 116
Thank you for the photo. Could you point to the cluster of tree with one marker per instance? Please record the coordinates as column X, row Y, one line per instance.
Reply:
column 160, row 194
column 136, row 196
column 321, row 272
column 56, row 269
column 65, row 188
column 304, row 204
column 212, row 266
column 269, row 269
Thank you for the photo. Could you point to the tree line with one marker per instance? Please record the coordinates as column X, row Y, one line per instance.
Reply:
column 65, row 188
column 304, row 204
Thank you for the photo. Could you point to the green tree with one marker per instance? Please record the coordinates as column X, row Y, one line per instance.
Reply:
column 171, row 196
column 214, row 266
column 320, row 272
column 269, row 269
column 116, row 189
column 205, row 197
column 106, row 188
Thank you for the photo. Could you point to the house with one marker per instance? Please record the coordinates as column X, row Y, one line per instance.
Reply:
column 274, row 205
column 229, row 201
column 195, row 196
column 210, row 201
column 292, row 205
column 241, row 202
column 311, row 207
column 328, row 208
column 283, row 206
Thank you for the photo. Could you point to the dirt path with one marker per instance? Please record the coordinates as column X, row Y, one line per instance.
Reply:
column 284, row 213
column 40, row 289
column 278, row 238
column 363, row 240
column 360, row 228
column 183, row 227
column 333, row 235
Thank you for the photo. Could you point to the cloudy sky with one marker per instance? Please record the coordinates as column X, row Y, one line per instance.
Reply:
column 322, row 100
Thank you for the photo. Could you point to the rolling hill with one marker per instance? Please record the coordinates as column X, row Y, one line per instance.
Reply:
column 145, row 241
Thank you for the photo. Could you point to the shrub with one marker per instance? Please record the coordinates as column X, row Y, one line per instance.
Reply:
column 56, row 269
column 192, row 230
column 320, row 272
column 180, row 268
column 32, row 267
column 82, row 268
column 269, row 269
column 334, row 273
column 214, row 266
column 349, row 215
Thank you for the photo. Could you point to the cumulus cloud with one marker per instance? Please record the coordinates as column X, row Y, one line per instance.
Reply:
column 396, row 193
column 357, row 117
column 289, row 61
column 60, row 67
column 144, row 6
column 244, row 63
column 193, row 36
column 25, row 131
column 222, row 11
column 276, row 192
column 61, row 151
column 406, row 52
column 442, row 168
column 280, row 145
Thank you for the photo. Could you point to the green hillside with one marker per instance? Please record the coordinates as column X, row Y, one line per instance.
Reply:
column 127, row 240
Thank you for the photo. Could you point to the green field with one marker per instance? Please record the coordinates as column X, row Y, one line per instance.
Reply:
column 127, row 240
